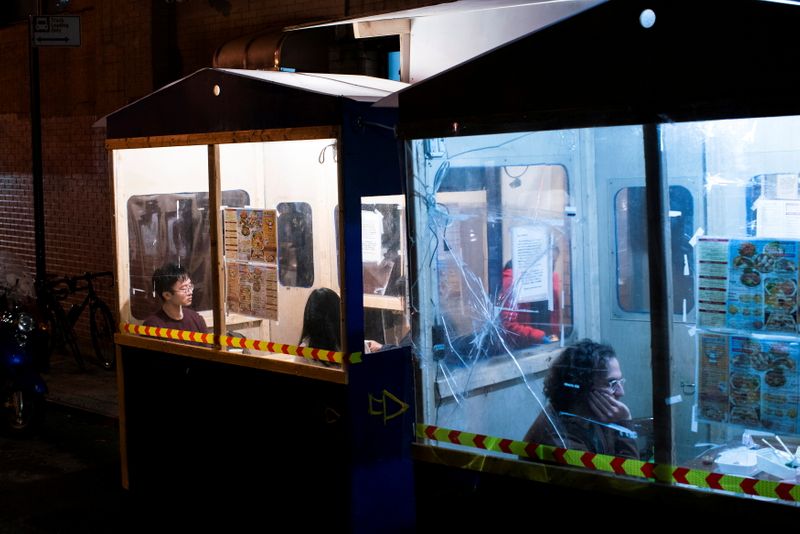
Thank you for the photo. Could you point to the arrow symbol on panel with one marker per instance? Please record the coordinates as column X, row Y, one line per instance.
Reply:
column 383, row 405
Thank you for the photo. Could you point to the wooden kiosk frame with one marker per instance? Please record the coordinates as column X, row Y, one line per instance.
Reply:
column 255, row 437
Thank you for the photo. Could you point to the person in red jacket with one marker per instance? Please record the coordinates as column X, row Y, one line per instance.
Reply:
column 528, row 323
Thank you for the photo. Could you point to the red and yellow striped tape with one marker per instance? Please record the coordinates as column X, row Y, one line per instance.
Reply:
column 617, row 465
column 243, row 343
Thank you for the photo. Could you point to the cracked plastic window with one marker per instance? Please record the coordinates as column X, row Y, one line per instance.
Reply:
column 515, row 289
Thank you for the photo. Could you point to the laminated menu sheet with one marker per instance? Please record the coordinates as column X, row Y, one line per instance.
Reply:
column 252, row 289
column 747, row 284
column 250, row 235
column 748, row 381
column 250, row 262
column 748, row 346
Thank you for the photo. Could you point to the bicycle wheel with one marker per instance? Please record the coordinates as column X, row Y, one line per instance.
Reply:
column 102, row 329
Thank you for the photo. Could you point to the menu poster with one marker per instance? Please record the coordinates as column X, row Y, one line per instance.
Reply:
column 762, row 289
column 748, row 284
column 713, row 377
column 760, row 387
column 777, row 364
column 250, row 235
column 252, row 289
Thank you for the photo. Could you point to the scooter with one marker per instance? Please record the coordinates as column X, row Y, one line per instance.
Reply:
column 22, row 388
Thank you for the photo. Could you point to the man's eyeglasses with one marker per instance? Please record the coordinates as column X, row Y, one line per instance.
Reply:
column 616, row 384
column 188, row 288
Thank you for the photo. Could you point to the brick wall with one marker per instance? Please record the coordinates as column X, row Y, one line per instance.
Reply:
column 16, row 195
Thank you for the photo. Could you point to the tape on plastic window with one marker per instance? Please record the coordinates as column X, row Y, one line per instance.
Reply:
column 696, row 237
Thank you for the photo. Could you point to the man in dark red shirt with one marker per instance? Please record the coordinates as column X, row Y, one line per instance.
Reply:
column 175, row 289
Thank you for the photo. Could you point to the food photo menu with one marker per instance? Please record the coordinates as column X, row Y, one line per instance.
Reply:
column 749, row 382
column 748, row 346
column 747, row 285
column 250, row 262
column 250, row 235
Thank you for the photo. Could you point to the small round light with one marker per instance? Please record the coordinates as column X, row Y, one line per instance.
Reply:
column 217, row 90
column 647, row 18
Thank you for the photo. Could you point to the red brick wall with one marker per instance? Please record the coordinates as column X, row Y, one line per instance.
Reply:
column 16, row 195
column 123, row 56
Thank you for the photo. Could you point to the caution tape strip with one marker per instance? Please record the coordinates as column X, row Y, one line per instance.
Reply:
column 242, row 343
column 613, row 464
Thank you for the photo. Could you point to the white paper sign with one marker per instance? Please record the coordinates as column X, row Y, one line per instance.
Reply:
column 785, row 187
column 778, row 218
column 530, row 255
column 371, row 236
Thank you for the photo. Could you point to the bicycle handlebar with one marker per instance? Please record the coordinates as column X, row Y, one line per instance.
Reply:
column 63, row 286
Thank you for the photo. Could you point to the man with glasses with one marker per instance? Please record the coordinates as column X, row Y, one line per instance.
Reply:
column 172, row 285
column 584, row 387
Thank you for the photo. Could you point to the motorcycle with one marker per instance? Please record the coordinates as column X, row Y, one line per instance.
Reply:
column 23, row 356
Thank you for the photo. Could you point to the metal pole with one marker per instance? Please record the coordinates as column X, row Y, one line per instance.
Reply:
column 660, row 312
column 36, row 160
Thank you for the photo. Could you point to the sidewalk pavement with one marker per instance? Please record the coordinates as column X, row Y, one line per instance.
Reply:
column 92, row 390
column 65, row 479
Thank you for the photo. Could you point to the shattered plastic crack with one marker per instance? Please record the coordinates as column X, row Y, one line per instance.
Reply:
column 489, row 337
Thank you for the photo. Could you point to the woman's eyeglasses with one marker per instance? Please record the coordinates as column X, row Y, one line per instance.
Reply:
column 616, row 384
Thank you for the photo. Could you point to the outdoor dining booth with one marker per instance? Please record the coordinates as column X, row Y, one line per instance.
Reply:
column 269, row 189
column 641, row 192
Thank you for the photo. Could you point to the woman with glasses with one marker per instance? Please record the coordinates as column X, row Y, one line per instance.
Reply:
column 584, row 388
column 174, row 288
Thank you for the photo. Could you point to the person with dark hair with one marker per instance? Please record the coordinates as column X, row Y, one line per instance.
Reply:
column 172, row 285
column 321, row 321
column 584, row 387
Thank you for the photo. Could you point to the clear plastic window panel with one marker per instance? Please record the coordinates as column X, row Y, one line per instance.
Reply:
column 280, row 259
column 737, row 360
column 520, row 332
column 384, row 263
column 162, row 193
column 296, row 251
column 633, row 288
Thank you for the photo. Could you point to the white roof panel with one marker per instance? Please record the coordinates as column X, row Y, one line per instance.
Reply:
column 356, row 87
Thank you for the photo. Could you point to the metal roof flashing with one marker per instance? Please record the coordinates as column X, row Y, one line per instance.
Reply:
column 216, row 100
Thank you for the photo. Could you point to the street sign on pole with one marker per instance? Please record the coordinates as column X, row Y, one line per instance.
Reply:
column 56, row 31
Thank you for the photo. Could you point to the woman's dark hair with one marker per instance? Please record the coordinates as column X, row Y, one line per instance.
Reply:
column 321, row 328
column 572, row 374
column 165, row 277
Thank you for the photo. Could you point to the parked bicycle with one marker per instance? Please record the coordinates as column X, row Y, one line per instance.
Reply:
column 62, row 322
